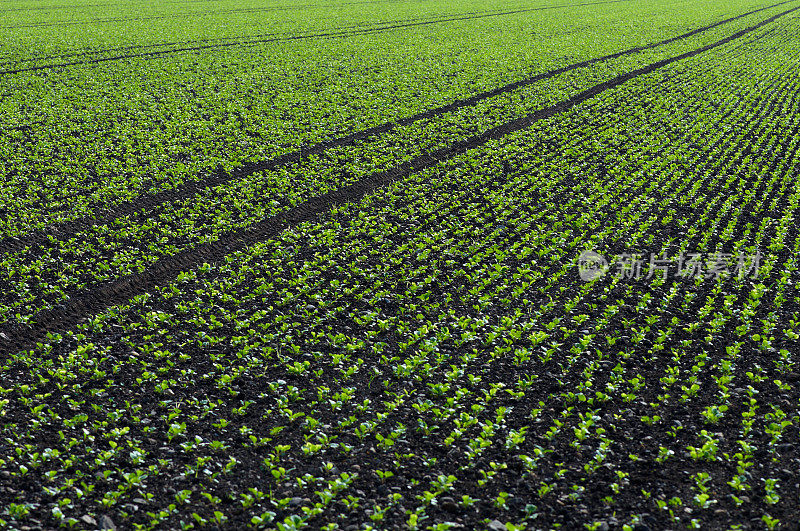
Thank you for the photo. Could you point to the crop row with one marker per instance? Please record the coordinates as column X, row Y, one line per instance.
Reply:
column 34, row 32
column 147, row 202
column 182, row 46
column 331, row 33
column 61, row 270
column 430, row 355
column 96, row 135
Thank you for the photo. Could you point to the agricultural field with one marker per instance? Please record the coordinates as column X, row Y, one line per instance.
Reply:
column 400, row 264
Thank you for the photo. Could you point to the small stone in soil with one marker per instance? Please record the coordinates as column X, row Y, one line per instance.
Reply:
column 449, row 504
column 294, row 502
column 106, row 524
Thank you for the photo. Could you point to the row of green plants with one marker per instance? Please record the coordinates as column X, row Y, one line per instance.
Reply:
column 430, row 354
column 103, row 133
column 45, row 275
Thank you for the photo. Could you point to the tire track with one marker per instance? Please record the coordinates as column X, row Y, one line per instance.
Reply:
column 104, row 295
column 330, row 34
column 152, row 17
column 49, row 8
column 34, row 300
column 102, row 215
column 222, row 40
column 252, row 9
